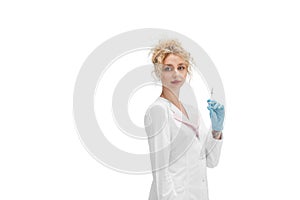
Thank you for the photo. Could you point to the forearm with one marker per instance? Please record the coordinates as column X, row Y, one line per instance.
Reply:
column 213, row 149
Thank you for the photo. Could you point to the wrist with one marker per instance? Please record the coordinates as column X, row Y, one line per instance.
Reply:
column 216, row 134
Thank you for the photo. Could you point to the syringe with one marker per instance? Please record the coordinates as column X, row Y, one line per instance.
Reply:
column 211, row 93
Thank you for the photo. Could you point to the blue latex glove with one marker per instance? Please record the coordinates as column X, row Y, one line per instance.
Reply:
column 216, row 113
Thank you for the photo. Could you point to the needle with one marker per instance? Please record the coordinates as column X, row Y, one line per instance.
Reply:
column 211, row 93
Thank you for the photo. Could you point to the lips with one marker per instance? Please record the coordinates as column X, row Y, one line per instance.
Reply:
column 176, row 81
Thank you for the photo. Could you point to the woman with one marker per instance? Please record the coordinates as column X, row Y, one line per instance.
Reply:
column 180, row 146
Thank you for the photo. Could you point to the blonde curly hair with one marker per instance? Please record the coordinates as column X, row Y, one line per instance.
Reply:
column 166, row 47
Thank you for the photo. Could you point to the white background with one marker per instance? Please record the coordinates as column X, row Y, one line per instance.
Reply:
column 254, row 45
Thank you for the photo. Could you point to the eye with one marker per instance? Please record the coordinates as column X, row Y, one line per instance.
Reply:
column 167, row 68
column 181, row 67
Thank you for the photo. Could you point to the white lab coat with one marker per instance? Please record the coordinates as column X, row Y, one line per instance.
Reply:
column 178, row 156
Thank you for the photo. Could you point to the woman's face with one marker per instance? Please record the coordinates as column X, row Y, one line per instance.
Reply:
column 174, row 72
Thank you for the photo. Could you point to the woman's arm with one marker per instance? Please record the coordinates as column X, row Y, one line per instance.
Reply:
column 157, row 128
column 213, row 149
column 214, row 141
column 211, row 146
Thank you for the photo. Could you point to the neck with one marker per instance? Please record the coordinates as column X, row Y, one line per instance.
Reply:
column 172, row 96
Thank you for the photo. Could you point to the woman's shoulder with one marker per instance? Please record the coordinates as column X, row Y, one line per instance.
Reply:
column 192, row 108
column 190, row 105
column 158, row 106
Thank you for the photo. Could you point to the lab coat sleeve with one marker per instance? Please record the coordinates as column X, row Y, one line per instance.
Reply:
column 158, row 132
column 212, row 146
column 213, row 150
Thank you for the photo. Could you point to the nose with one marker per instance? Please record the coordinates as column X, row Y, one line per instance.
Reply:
column 175, row 73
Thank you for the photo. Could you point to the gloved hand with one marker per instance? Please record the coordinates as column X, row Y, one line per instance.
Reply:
column 216, row 113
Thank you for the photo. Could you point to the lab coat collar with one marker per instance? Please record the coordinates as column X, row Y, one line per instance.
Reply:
column 192, row 121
